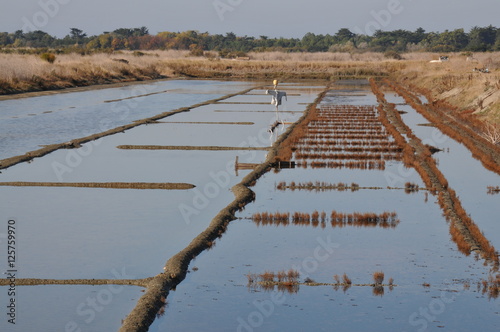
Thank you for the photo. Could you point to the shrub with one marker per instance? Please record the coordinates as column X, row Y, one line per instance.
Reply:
column 49, row 57
column 393, row 55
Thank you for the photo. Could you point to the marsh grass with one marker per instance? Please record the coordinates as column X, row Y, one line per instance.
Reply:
column 21, row 73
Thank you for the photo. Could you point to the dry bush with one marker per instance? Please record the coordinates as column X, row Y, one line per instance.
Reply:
column 267, row 276
column 378, row 277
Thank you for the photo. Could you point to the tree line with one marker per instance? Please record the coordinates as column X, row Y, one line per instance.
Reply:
column 478, row 39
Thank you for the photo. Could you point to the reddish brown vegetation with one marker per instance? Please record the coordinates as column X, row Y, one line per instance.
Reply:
column 463, row 230
column 411, row 188
column 378, row 290
column 317, row 186
column 493, row 190
column 285, row 281
column 378, row 277
column 337, row 219
column 341, row 136
column 379, row 165
column 346, row 279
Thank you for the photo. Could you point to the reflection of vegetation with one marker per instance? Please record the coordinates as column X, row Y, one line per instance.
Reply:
column 493, row 190
column 285, row 281
column 324, row 186
column 336, row 219
column 490, row 286
column 378, row 290
column 289, row 282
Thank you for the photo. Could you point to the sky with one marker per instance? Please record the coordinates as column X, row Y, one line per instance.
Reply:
column 278, row 18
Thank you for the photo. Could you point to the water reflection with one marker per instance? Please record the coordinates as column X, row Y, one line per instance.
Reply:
column 289, row 282
column 335, row 219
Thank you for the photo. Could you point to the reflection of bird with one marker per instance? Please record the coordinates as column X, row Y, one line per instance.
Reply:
column 277, row 96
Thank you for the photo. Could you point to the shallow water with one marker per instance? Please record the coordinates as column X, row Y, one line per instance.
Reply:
column 73, row 308
column 111, row 233
column 417, row 251
column 465, row 174
column 74, row 233
column 27, row 124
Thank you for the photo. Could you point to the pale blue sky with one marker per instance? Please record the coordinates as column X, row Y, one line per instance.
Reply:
column 277, row 18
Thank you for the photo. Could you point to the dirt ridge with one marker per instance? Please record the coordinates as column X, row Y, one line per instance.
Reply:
column 106, row 185
column 190, row 147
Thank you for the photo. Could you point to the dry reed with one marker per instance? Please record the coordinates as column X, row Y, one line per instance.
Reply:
column 336, row 219
column 378, row 277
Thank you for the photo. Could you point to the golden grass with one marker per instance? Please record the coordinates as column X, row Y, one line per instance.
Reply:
column 455, row 82
column 21, row 73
